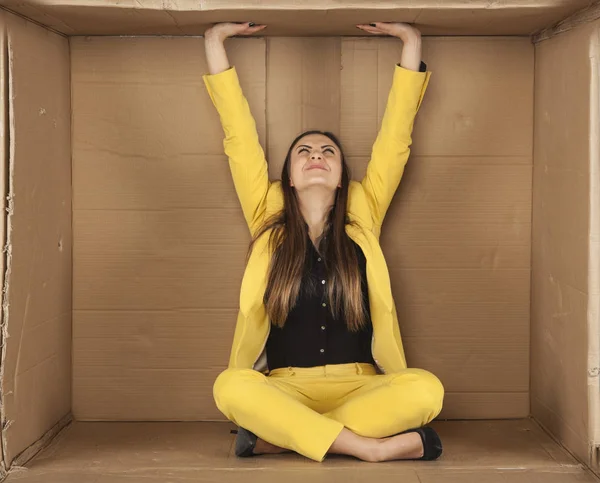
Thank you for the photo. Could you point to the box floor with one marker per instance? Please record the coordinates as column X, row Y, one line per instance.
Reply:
column 516, row 451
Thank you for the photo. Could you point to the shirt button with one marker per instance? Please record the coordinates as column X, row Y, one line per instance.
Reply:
column 318, row 259
column 324, row 304
column 322, row 350
column 323, row 282
column 322, row 327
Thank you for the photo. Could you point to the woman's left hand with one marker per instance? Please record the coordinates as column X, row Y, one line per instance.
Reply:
column 410, row 36
column 403, row 31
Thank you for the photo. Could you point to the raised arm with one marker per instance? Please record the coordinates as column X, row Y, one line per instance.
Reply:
column 392, row 146
column 246, row 156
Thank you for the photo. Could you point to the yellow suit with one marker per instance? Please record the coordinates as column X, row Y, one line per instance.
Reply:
column 368, row 202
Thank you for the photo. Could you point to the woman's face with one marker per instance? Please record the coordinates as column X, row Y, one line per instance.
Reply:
column 315, row 161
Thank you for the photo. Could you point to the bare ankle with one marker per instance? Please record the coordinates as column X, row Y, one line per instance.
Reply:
column 374, row 450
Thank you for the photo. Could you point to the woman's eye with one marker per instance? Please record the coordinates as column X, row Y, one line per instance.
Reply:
column 302, row 150
column 328, row 150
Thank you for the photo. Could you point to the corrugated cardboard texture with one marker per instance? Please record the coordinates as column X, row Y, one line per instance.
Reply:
column 4, row 154
column 160, row 240
column 594, row 260
column 302, row 94
column 474, row 452
column 292, row 18
column 561, row 217
column 36, row 376
column 581, row 17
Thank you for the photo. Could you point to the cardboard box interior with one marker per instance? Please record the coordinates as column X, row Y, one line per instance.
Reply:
column 125, row 244
column 293, row 18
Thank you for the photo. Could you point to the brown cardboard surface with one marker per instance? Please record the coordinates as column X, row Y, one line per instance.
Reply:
column 37, row 305
column 516, row 444
column 4, row 161
column 32, row 450
column 160, row 241
column 456, row 122
column 561, row 217
column 487, row 452
column 479, row 405
column 330, row 17
column 299, row 476
column 579, row 18
column 149, row 365
column 594, row 258
column 302, row 94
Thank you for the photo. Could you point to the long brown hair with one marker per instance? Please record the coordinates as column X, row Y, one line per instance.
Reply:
column 288, row 240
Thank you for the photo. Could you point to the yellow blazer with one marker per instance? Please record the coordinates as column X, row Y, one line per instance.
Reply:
column 368, row 201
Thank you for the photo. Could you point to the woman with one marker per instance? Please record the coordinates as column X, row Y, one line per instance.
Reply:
column 316, row 300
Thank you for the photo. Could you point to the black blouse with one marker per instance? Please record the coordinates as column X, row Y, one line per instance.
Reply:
column 311, row 336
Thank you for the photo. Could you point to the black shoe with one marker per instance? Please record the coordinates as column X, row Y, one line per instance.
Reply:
column 245, row 442
column 432, row 444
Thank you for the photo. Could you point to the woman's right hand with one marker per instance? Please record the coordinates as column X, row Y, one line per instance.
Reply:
column 222, row 31
column 214, row 38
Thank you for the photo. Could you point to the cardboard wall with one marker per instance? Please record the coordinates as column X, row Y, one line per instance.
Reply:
column 36, row 358
column 563, row 209
column 160, row 240
column 4, row 148
column 594, row 258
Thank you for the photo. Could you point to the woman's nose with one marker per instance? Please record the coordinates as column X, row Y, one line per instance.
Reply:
column 316, row 155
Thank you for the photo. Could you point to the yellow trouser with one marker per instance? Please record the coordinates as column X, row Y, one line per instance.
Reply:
column 305, row 409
